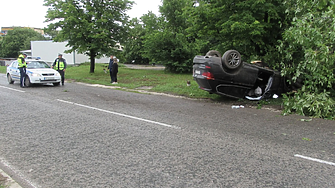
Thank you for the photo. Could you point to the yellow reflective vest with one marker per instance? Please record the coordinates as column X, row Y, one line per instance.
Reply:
column 59, row 64
column 21, row 61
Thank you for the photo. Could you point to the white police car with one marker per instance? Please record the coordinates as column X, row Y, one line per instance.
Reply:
column 38, row 72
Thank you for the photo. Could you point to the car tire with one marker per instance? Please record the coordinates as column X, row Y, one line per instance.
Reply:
column 213, row 53
column 27, row 82
column 9, row 78
column 56, row 84
column 231, row 59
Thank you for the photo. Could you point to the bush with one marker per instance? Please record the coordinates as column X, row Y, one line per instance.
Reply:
column 319, row 105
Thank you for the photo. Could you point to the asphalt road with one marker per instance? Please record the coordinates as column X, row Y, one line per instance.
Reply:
column 78, row 135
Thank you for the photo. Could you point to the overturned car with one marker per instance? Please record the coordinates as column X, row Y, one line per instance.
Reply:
column 229, row 76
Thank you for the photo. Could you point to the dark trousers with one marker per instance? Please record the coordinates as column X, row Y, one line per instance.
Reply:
column 114, row 77
column 62, row 75
column 22, row 75
column 111, row 75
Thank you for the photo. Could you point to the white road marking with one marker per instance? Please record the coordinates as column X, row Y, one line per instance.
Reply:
column 119, row 114
column 315, row 160
column 17, row 173
column 12, row 89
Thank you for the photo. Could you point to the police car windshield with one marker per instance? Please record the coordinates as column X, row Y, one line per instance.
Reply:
column 37, row 65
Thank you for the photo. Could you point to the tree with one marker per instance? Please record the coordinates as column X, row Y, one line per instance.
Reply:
column 169, row 44
column 251, row 27
column 17, row 40
column 133, row 50
column 308, row 54
column 93, row 27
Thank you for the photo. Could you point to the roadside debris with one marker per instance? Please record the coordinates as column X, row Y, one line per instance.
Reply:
column 306, row 120
column 237, row 106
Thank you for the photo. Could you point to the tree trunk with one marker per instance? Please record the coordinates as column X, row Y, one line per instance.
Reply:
column 92, row 58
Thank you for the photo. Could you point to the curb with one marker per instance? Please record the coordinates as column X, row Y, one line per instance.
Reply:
column 9, row 182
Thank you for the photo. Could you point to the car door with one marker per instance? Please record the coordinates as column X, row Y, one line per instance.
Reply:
column 14, row 71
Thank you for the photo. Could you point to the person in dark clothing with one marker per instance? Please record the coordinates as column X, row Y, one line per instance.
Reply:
column 110, row 67
column 60, row 66
column 115, row 70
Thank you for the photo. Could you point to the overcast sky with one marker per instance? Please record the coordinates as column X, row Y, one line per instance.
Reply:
column 25, row 13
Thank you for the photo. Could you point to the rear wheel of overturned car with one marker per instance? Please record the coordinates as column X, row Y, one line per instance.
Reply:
column 9, row 79
column 231, row 59
column 27, row 82
column 213, row 53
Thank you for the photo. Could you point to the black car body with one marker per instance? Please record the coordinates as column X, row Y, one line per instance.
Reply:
column 229, row 76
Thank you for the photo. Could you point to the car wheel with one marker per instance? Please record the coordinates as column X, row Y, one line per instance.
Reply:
column 231, row 59
column 27, row 82
column 213, row 53
column 9, row 78
column 56, row 84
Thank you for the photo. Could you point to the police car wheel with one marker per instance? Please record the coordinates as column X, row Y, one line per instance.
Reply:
column 27, row 82
column 56, row 84
column 9, row 78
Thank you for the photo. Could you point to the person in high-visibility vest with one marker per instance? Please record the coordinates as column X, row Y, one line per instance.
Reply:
column 22, row 65
column 60, row 66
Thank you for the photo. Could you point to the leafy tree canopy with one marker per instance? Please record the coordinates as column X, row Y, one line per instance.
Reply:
column 17, row 40
column 133, row 50
column 93, row 27
column 251, row 27
column 308, row 54
column 169, row 44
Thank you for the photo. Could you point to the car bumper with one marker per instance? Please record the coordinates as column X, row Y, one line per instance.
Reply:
column 42, row 80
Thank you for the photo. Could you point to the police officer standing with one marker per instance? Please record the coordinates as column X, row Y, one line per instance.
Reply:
column 60, row 66
column 22, row 67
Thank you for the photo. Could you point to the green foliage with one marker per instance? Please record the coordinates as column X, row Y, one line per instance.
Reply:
column 308, row 54
column 173, row 13
column 93, row 27
column 319, row 105
column 185, row 30
column 170, row 49
column 169, row 44
column 251, row 27
column 133, row 50
column 17, row 40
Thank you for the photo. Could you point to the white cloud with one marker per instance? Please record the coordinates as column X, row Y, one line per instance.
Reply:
column 141, row 7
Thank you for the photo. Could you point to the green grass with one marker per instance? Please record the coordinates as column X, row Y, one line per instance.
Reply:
column 3, row 69
column 156, row 80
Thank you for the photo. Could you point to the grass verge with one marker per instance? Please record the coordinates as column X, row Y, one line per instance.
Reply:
column 155, row 81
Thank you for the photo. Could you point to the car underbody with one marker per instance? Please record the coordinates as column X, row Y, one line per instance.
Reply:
column 229, row 76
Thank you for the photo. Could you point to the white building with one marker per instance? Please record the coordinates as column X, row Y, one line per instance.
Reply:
column 49, row 50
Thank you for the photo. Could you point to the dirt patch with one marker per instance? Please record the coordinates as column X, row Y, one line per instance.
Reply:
column 153, row 67
column 145, row 87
